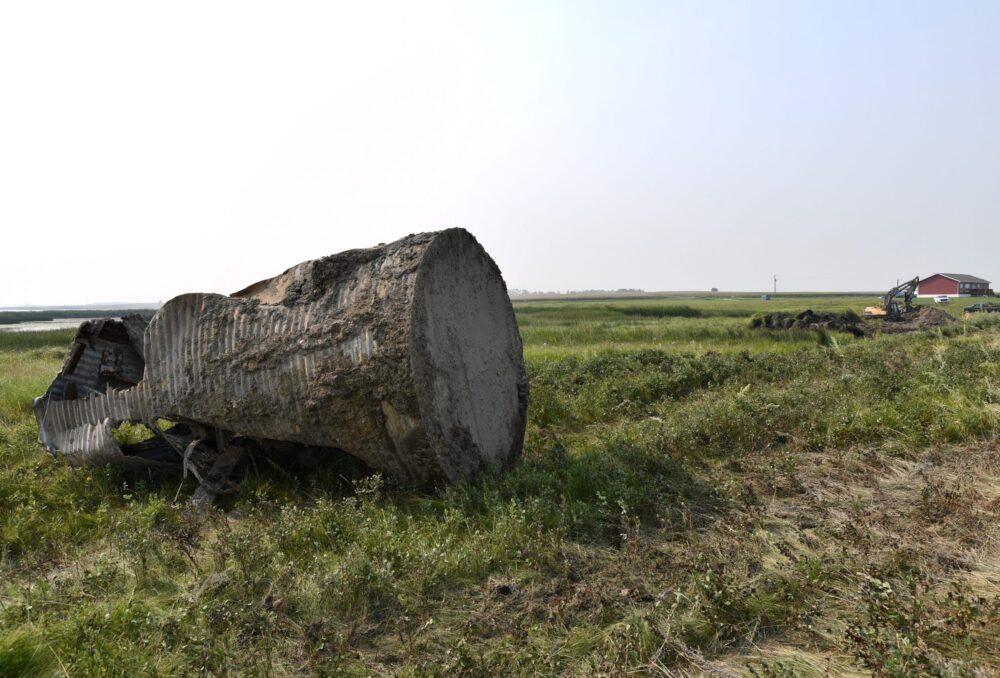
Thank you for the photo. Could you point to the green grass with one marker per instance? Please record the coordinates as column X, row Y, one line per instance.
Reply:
column 24, row 375
column 22, row 341
column 561, row 329
column 694, row 497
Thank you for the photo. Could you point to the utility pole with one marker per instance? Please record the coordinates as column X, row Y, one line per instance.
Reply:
column 775, row 283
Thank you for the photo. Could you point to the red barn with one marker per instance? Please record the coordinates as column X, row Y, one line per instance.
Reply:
column 954, row 285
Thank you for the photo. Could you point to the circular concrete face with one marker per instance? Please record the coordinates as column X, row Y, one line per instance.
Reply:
column 467, row 361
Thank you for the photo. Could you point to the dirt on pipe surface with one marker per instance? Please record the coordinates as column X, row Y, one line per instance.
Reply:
column 405, row 355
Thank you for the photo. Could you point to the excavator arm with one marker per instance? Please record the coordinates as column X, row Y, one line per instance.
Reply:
column 907, row 290
column 890, row 307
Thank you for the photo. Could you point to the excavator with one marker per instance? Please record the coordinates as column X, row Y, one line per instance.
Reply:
column 890, row 308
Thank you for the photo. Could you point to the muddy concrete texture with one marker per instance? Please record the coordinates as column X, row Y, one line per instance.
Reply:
column 406, row 355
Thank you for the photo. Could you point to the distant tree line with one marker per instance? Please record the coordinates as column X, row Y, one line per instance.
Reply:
column 517, row 292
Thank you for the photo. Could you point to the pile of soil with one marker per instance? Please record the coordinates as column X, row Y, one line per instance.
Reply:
column 925, row 318
column 847, row 321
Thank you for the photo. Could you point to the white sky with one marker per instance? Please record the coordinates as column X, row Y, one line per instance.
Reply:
column 149, row 150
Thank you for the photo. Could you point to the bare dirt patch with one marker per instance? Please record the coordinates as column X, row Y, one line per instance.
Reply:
column 926, row 318
column 847, row 321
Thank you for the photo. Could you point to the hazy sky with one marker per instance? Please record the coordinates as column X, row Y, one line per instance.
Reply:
column 152, row 149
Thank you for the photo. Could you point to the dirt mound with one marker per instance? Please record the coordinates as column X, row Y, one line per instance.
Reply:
column 848, row 321
column 928, row 317
column 925, row 318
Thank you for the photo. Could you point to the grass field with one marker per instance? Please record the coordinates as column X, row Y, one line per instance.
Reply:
column 556, row 329
column 695, row 498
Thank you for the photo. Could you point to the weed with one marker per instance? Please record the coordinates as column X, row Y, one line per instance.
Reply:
column 906, row 627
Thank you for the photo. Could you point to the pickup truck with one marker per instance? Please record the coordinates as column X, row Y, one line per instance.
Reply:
column 982, row 307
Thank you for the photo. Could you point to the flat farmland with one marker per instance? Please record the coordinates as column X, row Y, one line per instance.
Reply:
column 695, row 497
column 679, row 323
